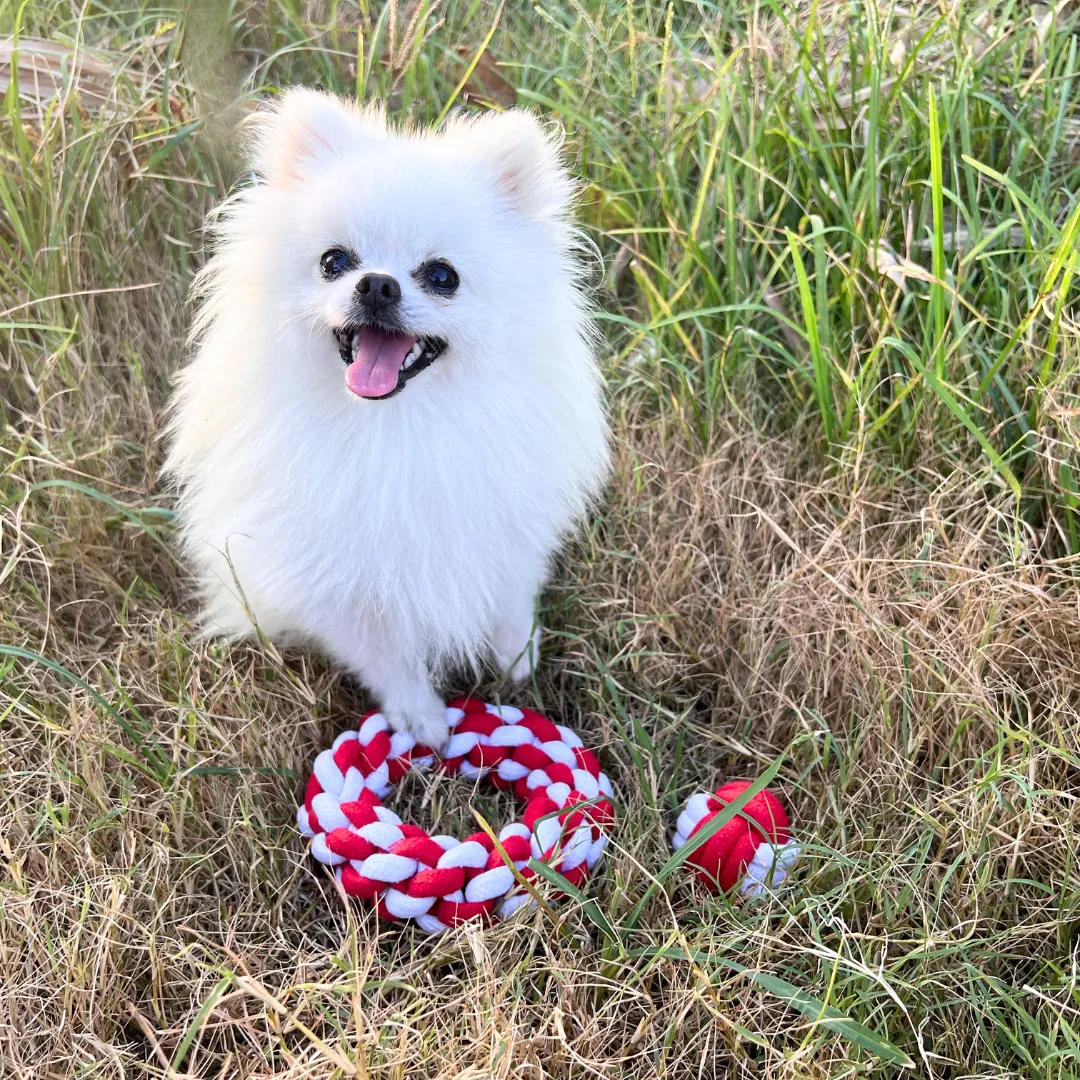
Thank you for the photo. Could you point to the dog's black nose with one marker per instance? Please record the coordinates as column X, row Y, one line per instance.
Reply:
column 378, row 291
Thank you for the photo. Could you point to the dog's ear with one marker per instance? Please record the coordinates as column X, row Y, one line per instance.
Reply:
column 526, row 157
column 306, row 128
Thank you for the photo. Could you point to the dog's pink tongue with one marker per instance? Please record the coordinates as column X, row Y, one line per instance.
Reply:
column 377, row 362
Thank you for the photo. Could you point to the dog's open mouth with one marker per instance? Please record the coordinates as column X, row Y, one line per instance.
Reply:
column 380, row 362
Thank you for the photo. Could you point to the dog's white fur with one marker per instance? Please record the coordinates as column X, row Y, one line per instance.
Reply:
column 412, row 533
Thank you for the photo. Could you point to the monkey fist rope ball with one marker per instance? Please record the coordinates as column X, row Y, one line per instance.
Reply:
column 752, row 851
column 440, row 881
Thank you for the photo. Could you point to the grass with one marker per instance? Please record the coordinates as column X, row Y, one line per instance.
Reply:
column 836, row 273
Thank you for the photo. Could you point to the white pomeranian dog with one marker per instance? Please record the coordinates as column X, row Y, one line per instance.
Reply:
column 392, row 416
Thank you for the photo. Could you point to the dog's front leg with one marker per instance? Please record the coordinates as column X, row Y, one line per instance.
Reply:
column 408, row 702
column 400, row 683
column 516, row 641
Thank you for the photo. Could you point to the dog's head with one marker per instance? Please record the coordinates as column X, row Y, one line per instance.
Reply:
column 401, row 250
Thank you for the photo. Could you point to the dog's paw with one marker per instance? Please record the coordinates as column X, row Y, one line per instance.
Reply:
column 427, row 725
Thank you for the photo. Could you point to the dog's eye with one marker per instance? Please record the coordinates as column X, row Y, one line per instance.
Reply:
column 440, row 276
column 335, row 262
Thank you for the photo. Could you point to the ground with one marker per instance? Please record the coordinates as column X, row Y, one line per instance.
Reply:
column 835, row 252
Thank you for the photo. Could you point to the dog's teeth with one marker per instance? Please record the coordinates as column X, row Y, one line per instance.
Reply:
column 414, row 355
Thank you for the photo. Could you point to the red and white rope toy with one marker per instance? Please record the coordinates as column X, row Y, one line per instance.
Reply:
column 437, row 880
column 752, row 851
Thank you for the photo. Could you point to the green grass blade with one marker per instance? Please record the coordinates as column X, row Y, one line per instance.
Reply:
column 466, row 75
column 154, row 754
column 1020, row 197
column 193, row 1029
column 945, row 395
column 589, row 907
column 135, row 516
column 797, row 998
column 937, row 286
column 1065, row 250
column 822, row 380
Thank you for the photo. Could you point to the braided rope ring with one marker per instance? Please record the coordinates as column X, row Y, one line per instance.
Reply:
column 439, row 881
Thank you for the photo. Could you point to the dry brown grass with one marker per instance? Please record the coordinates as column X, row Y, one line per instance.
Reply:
column 918, row 671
